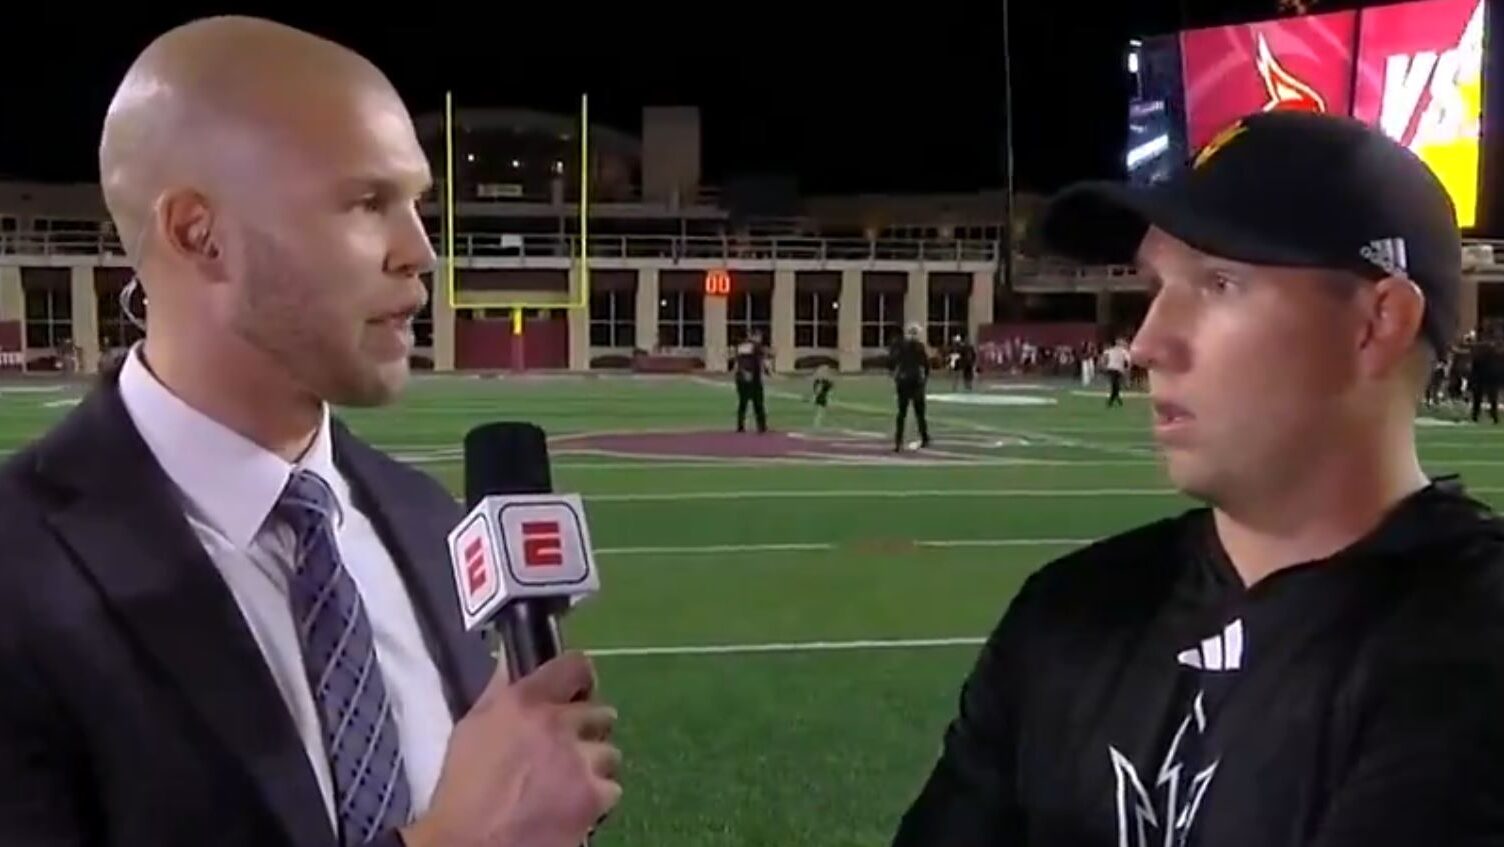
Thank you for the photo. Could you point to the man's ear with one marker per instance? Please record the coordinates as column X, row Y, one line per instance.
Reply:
column 1395, row 309
column 186, row 224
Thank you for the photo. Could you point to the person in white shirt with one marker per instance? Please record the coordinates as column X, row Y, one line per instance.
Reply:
column 224, row 619
column 1115, row 362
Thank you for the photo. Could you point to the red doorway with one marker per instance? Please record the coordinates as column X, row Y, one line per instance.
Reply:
column 487, row 343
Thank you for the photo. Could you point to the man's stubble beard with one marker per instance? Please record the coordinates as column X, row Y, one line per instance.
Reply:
column 272, row 315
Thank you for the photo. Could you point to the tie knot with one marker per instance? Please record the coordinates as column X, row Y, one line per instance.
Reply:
column 306, row 501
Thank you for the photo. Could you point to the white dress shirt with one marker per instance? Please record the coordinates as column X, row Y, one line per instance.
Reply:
column 228, row 486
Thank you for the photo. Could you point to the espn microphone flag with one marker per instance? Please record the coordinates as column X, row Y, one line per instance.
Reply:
column 521, row 546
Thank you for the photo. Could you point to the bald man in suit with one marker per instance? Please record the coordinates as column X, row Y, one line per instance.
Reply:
column 225, row 619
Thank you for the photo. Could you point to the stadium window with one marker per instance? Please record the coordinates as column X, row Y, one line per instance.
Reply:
column 115, row 330
column 816, row 321
column 49, row 312
column 947, row 317
column 882, row 318
column 681, row 319
column 748, row 312
column 613, row 318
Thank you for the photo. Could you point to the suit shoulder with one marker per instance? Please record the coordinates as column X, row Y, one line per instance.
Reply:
column 21, row 489
column 27, row 548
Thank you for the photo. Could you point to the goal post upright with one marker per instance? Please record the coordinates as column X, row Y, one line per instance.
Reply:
column 579, row 257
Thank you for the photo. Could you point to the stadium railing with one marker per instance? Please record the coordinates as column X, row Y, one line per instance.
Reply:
column 672, row 247
column 1480, row 256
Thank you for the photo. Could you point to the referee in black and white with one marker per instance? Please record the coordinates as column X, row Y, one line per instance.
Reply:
column 910, row 362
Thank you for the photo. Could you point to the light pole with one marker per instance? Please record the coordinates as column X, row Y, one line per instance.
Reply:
column 1005, row 239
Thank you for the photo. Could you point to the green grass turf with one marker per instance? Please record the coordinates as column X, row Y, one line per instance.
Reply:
column 804, row 748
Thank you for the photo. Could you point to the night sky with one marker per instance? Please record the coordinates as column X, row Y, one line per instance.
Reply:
column 913, row 104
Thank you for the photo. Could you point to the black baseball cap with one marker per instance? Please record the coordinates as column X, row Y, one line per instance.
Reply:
column 1296, row 189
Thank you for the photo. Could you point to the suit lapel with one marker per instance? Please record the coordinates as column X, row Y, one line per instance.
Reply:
column 414, row 531
column 126, row 529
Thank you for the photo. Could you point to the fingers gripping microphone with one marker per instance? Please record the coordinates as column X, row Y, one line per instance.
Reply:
column 522, row 556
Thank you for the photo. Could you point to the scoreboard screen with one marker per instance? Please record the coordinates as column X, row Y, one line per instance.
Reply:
column 1412, row 69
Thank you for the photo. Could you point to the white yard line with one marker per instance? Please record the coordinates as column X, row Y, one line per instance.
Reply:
column 709, row 549
column 825, row 546
column 796, row 461
column 1006, row 542
column 764, row 464
column 895, row 493
column 901, row 493
column 669, row 459
column 788, row 647
column 906, row 462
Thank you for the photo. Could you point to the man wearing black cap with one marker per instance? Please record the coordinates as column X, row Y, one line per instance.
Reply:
column 1316, row 657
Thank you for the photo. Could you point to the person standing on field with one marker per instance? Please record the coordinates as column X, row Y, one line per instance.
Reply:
column 909, row 361
column 750, row 366
column 1116, row 362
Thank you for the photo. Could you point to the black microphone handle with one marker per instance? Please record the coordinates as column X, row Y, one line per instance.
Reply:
column 512, row 458
column 529, row 632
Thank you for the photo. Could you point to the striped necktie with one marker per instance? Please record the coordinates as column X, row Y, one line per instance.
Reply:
column 371, row 793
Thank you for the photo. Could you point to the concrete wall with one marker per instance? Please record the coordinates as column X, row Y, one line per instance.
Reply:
column 443, row 320
column 87, row 276
column 85, row 318
column 12, row 296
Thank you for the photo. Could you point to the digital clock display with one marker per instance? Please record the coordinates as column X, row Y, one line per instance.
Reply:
column 718, row 283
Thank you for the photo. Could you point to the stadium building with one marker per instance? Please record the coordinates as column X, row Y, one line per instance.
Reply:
column 678, row 271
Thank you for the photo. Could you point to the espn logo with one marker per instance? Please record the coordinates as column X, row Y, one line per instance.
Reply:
column 542, row 544
column 476, row 574
column 476, row 568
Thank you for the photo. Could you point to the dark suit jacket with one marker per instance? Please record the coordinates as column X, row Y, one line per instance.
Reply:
column 135, row 707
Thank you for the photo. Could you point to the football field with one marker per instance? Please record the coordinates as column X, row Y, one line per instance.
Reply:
column 785, row 619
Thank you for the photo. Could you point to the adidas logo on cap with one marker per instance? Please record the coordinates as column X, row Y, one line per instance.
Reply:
column 1387, row 253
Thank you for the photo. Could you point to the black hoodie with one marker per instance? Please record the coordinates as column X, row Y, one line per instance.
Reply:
column 1137, row 694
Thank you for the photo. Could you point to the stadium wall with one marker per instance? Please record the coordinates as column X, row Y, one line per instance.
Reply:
column 838, row 312
column 812, row 311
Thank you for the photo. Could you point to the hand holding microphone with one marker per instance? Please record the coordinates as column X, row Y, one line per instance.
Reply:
column 531, row 765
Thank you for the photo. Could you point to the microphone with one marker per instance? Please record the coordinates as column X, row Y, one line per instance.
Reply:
column 522, row 556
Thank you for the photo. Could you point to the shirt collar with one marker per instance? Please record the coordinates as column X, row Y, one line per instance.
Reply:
column 229, row 481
